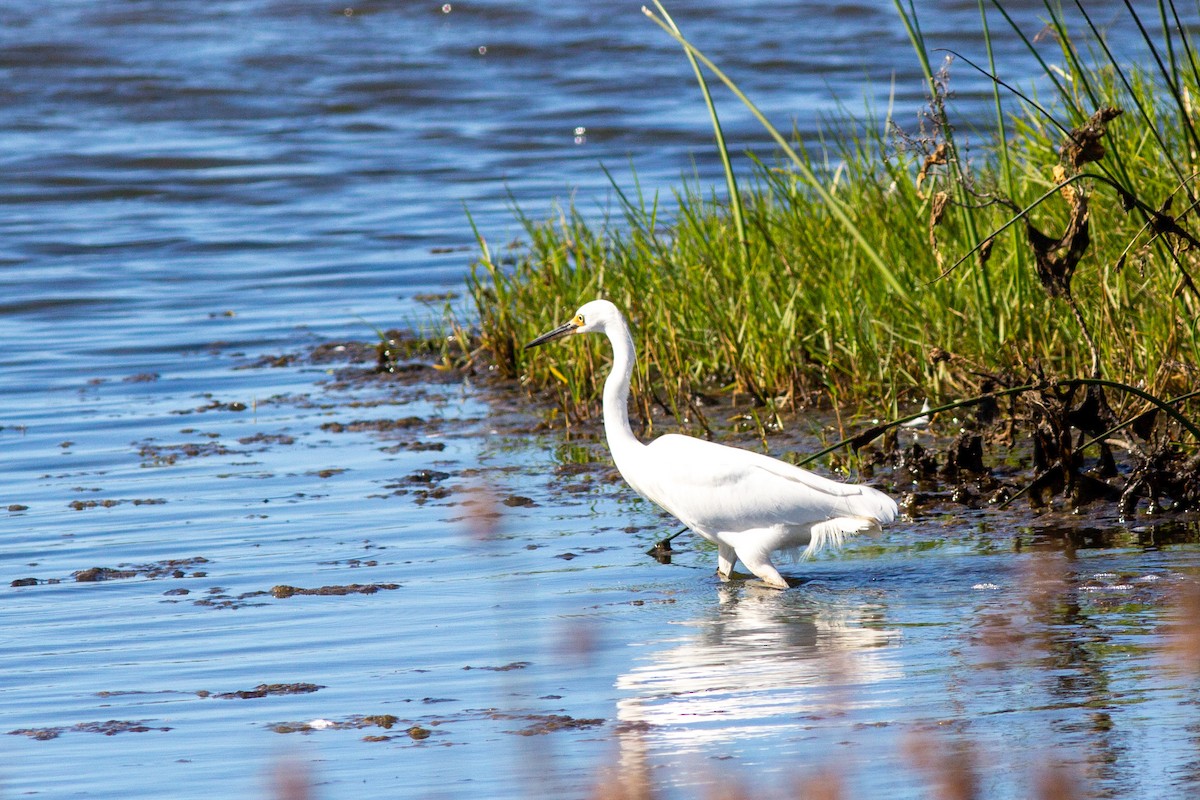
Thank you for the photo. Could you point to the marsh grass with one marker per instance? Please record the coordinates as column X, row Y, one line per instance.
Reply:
column 881, row 267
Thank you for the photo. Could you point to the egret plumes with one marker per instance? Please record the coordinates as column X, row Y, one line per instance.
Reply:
column 749, row 505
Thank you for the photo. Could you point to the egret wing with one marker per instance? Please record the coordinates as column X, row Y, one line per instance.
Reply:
column 716, row 487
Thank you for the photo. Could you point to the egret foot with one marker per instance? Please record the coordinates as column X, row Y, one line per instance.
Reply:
column 786, row 583
column 760, row 564
column 733, row 575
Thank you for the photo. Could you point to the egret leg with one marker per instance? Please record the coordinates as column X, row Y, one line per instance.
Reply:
column 760, row 564
column 726, row 558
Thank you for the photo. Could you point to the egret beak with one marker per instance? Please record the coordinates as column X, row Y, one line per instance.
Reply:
column 557, row 333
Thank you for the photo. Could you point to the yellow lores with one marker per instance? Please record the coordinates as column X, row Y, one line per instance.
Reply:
column 749, row 505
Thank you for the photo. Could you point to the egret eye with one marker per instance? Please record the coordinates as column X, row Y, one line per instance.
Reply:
column 579, row 319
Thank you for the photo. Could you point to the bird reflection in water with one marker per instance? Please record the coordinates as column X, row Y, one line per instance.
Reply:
column 759, row 663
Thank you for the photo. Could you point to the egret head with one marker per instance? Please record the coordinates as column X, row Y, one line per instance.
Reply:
column 593, row 317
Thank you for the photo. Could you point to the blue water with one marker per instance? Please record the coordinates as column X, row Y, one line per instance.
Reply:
column 191, row 187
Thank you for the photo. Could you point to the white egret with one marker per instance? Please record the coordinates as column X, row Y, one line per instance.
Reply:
column 749, row 505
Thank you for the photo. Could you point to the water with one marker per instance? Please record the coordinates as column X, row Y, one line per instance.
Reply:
column 192, row 187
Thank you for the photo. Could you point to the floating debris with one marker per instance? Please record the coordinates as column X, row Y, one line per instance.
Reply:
column 283, row 590
column 355, row 722
column 267, row 689
column 172, row 568
column 109, row 728
column 427, row 476
column 96, row 574
column 374, row 425
column 267, row 438
column 80, row 505
column 327, row 473
column 165, row 455
column 506, row 668
column 541, row 724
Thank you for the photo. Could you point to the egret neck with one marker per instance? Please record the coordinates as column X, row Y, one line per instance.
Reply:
column 621, row 441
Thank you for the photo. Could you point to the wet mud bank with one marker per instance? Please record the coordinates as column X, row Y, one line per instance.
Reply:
column 1059, row 455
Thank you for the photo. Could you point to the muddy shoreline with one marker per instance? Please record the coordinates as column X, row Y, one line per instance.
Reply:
column 1017, row 469
column 1041, row 455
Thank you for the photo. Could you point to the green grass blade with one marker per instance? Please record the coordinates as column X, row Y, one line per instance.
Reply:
column 735, row 198
column 836, row 207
